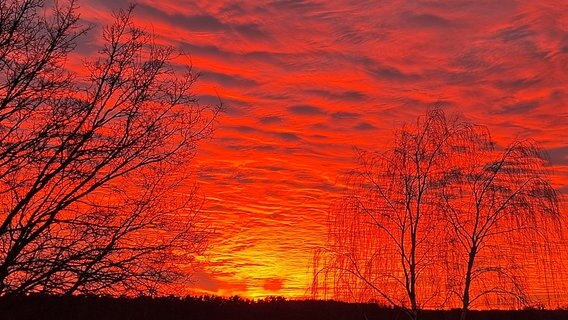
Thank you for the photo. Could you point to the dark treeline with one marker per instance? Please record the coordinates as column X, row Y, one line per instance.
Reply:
column 212, row 308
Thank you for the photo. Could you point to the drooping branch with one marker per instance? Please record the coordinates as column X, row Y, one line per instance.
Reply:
column 426, row 220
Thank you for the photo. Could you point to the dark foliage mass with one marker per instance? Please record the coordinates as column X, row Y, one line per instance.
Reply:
column 212, row 308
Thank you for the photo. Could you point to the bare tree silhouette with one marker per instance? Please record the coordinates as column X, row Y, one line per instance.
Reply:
column 383, row 232
column 497, row 203
column 90, row 167
column 394, row 234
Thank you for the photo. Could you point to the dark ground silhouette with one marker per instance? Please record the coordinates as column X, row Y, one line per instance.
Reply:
column 213, row 308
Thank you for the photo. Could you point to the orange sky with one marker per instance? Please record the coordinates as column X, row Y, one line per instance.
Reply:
column 304, row 82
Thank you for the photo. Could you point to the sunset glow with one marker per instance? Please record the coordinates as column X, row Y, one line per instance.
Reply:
column 306, row 83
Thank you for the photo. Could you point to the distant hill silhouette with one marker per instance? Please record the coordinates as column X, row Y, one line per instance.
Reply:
column 217, row 308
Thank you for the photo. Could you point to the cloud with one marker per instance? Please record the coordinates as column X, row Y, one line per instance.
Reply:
column 390, row 73
column 196, row 22
column 306, row 110
column 228, row 80
column 201, row 22
column 250, row 30
column 271, row 119
column 296, row 5
column 273, row 285
column 244, row 129
column 523, row 107
column 559, row 155
column 288, row 136
column 425, row 20
column 514, row 33
column 364, row 126
column 345, row 115
column 517, row 84
column 349, row 95
column 205, row 282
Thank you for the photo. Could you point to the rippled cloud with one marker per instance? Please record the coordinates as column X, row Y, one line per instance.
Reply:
column 306, row 82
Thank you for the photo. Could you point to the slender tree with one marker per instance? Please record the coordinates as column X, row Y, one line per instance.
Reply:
column 500, row 206
column 90, row 167
column 383, row 233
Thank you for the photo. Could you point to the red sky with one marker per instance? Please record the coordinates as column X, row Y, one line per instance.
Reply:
column 304, row 82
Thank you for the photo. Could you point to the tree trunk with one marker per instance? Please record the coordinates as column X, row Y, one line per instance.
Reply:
column 467, row 285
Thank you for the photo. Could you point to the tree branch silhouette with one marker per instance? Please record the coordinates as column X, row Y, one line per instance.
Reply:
column 90, row 167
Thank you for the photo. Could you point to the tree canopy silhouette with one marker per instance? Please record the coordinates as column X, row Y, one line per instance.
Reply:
column 91, row 164
column 440, row 217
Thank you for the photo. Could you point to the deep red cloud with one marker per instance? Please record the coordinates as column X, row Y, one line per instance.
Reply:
column 273, row 285
column 307, row 81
